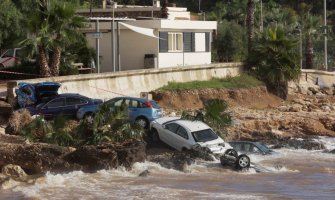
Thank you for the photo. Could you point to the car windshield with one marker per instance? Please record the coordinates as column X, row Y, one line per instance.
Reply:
column 204, row 135
column 8, row 53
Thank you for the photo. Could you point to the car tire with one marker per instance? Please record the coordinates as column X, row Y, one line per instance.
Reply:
column 243, row 162
column 232, row 152
column 142, row 122
column 89, row 117
column 154, row 135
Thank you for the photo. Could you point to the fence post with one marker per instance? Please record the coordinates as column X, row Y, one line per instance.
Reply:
column 11, row 92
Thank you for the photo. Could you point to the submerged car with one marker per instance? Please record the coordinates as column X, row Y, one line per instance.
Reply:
column 249, row 147
column 140, row 110
column 186, row 135
column 32, row 94
column 62, row 104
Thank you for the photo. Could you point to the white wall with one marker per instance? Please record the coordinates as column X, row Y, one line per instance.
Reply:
column 133, row 47
column 183, row 59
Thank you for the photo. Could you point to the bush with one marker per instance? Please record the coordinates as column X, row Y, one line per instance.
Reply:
column 214, row 114
column 18, row 120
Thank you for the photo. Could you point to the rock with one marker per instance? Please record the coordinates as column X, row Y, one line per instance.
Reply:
column 92, row 158
column 327, row 90
column 295, row 108
column 145, row 173
column 106, row 156
column 299, row 144
column 14, row 171
column 314, row 90
column 131, row 152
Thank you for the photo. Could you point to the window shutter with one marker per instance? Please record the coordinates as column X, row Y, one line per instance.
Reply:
column 208, row 42
column 187, row 42
column 163, row 41
column 193, row 42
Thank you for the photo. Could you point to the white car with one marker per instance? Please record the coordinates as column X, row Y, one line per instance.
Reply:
column 185, row 134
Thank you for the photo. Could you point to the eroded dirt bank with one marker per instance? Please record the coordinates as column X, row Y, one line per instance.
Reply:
column 260, row 116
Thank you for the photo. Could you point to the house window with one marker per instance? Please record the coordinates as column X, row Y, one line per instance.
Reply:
column 175, row 41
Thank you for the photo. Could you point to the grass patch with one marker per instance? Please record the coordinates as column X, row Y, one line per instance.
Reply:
column 242, row 81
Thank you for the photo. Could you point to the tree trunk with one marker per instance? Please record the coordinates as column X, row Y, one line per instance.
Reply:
column 164, row 10
column 309, row 53
column 55, row 61
column 250, row 23
column 43, row 62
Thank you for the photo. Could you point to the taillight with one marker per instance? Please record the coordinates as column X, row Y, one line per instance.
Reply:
column 148, row 104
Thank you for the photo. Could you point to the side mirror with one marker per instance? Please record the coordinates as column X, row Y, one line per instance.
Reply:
column 164, row 126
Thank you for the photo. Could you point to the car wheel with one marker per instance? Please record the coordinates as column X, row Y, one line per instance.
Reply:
column 243, row 162
column 89, row 117
column 231, row 152
column 142, row 122
column 154, row 135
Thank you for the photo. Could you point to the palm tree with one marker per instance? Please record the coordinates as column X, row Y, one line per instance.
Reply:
column 250, row 22
column 310, row 24
column 51, row 28
column 65, row 25
column 164, row 10
column 275, row 60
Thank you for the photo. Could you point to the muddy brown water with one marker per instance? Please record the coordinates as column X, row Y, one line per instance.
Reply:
column 290, row 174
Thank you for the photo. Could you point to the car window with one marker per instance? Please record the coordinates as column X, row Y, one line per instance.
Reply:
column 246, row 147
column 134, row 104
column 75, row 101
column 254, row 149
column 237, row 146
column 56, row 103
column 204, row 135
column 182, row 132
column 172, row 127
column 118, row 103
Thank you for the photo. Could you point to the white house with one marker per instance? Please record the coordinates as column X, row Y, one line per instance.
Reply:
column 155, row 43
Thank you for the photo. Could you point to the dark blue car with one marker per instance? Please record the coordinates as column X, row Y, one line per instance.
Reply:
column 64, row 104
column 249, row 147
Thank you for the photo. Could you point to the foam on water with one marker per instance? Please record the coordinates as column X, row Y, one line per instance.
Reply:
column 327, row 141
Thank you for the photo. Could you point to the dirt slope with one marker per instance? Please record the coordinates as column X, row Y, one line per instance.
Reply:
column 256, row 97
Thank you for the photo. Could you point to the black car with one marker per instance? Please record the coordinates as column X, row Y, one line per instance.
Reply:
column 248, row 147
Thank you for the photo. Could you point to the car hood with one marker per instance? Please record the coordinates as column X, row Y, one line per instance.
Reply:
column 47, row 87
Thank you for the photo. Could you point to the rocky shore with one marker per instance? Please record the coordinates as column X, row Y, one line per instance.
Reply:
column 257, row 116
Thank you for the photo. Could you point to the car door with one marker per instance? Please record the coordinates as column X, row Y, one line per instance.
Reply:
column 72, row 105
column 167, row 132
column 53, row 108
column 176, row 136
column 134, row 109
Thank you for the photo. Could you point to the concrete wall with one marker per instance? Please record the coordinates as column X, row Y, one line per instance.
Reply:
column 321, row 78
column 131, row 83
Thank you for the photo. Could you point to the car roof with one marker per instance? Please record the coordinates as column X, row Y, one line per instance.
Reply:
column 71, row 95
column 193, row 126
column 133, row 98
